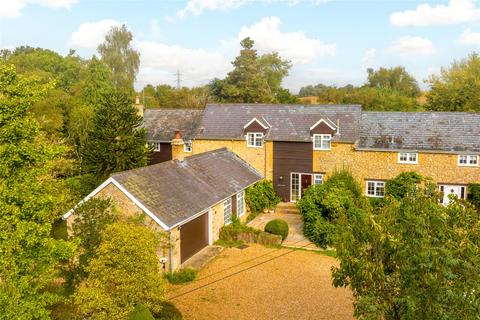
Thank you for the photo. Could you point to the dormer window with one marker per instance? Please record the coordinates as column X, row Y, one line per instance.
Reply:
column 255, row 139
column 322, row 142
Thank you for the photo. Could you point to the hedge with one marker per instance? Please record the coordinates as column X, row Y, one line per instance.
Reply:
column 277, row 226
column 261, row 196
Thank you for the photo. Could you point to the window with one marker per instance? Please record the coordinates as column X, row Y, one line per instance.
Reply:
column 187, row 147
column 322, row 141
column 295, row 187
column 155, row 146
column 408, row 157
column 227, row 211
column 468, row 160
column 376, row 189
column 317, row 179
column 240, row 206
column 255, row 139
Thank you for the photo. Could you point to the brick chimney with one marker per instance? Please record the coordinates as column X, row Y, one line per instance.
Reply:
column 138, row 106
column 177, row 146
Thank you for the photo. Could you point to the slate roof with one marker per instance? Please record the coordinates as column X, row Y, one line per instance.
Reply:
column 288, row 122
column 439, row 131
column 161, row 124
column 177, row 190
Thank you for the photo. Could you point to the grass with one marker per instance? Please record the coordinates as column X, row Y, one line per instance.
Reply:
column 181, row 276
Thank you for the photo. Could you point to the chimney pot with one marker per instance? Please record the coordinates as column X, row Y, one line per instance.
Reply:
column 178, row 135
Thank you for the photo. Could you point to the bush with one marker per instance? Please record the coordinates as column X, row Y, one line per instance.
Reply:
column 229, row 232
column 474, row 194
column 261, row 196
column 321, row 205
column 277, row 226
column 169, row 312
column 402, row 184
column 181, row 276
column 140, row 313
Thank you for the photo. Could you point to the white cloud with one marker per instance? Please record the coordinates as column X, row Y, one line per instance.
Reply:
column 469, row 37
column 455, row 12
column 295, row 46
column 13, row 8
column 159, row 63
column 197, row 7
column 90, row 34
column 369, row 56
column 412, row 46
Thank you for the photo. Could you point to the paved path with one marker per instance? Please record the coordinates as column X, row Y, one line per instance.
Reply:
column 264, row 283
column 289, row 213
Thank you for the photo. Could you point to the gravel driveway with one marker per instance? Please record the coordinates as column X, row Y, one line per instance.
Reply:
column 264, row 283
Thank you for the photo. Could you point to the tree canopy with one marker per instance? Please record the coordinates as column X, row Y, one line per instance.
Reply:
column 124, row 273
column 397, row 79
column 457, row 88
column 30, row 200
column 117, row 53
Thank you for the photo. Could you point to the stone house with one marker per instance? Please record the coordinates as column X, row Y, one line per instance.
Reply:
column 187, row 200
column 296, row 146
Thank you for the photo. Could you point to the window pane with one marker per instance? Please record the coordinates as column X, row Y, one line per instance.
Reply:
column 318, row 179
column 371, row 188
column 412, row 157
column 227, row 211
column 380, row 189
column 403, row 157
column 295, row 186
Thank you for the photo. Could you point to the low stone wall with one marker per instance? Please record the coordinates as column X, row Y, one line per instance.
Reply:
column 261, row 237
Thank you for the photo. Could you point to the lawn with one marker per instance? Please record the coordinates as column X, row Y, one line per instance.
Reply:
column 264, row 283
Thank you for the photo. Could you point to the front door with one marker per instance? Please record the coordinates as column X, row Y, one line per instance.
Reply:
column 457, row 191
column 306, row 182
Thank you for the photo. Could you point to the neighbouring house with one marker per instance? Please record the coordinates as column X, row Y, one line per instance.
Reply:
column 161, row 125
column 297, row 146
column 188, row 200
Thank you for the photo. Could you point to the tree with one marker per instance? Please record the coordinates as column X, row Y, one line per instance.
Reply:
column 91, row 219
column 116, row 141
column 411, row 259
column 124, row 273
column 120, row 57
column 397, row 79
column 254, row 79
column 30, row 201
column 457, row 88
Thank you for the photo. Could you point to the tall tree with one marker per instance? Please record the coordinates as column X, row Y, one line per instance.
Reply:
column 124, row 273
column 118, row 54
column 457, row 88
column 254, row 79
column 116, row 140
column 397, row 79
column 29, row 202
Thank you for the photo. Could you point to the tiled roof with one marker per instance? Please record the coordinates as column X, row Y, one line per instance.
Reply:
column 177, row 190
column 288, row 122
column 161, row 124
column 436, row 131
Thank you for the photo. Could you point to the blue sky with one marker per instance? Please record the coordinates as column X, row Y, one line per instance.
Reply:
column 328, row 41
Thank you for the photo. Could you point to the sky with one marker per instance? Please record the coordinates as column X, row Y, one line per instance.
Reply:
column 328, row 41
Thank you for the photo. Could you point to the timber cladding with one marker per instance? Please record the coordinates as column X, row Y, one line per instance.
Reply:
column 290, row 157
column 165, row 153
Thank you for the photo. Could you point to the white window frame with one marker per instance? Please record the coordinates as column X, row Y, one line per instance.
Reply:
column 322, row 138
column 187, row 147
column 257, row 139
column 227, row 207
column 468, row 158
column 317, row 179
column 156, row 146
column 240, row 203
column 376, row 185
column 408, row 156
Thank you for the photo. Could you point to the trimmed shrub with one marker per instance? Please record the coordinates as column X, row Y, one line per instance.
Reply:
column 277, row 226
column 474, row 194
column 261, row 196
column 140, row 313
column 237, row 232
column 181, row 276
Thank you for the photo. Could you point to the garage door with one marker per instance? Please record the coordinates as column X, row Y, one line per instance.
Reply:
column 193, row 236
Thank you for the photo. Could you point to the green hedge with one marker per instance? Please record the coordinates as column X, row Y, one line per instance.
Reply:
column 474, row 194
column 261, row 196
column 277, row 226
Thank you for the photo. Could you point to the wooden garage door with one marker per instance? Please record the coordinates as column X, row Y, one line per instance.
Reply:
column 193, row 236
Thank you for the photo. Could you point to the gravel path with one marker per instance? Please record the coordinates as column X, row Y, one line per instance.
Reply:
column 264, row 283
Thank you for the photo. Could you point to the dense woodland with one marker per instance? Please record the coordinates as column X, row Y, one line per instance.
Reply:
column 67, row 123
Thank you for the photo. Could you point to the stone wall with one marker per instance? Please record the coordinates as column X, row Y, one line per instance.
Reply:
column 381, row 165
